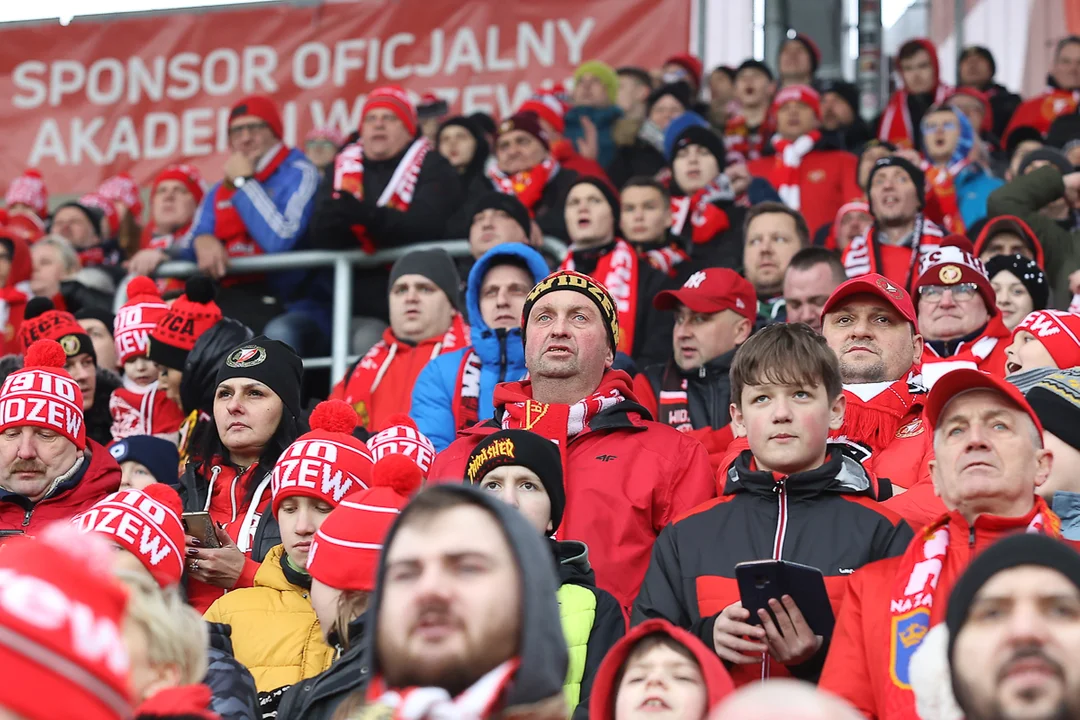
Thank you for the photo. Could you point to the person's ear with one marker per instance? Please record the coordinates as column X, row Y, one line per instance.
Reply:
column 918, row 344
column 742, row 330
column 1044, row 463
column 737, row 424
column 836, row 412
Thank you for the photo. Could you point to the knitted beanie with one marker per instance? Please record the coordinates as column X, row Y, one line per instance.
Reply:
column 190, row 315
column 273, row 363
column 953, row 263
column 122, row 188
column 577, row 282
column 804, row 94
column 396, row 100
column 549, row 107
column 1059, row 333
column 1027, row 271
column 61, row 631
column 606, row 75
column 29, row 189
column 401, row 437
column 137, row 317
column 345, row 551
column 42, row 321
column 188, row 175
column 525, row 121
column 147, row 523
column 261, row 107
column 42, row 394
column 529, row 450
column 1056, row 400
column 157, row 455
column 327, row 463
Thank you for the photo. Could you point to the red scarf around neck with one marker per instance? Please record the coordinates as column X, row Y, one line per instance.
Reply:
column 874, row 422
column 942, row 182
column 666, row 258
column 896, row 126
column 789, row 157
column 922, row 574
column 527, row 185
column 707, row 219
column 617, row 270
column 479, row 702
column 229, row 227
column 466, row 403
column 558, row 422
column 867, row 254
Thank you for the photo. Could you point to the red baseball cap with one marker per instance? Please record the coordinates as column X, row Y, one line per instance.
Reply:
column 710, row 291
column 874, row 284
column 961, row 380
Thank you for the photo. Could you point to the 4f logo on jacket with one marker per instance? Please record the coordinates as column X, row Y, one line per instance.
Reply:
column 606, row 458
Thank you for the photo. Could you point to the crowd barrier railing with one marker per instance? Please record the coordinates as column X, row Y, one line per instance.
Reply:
column 343, row 263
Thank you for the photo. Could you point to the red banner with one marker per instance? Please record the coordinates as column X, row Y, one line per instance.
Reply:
column 88, row 100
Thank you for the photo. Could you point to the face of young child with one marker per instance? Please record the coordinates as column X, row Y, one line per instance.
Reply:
column 135, row 475
column 141, row 371
column 661, row 683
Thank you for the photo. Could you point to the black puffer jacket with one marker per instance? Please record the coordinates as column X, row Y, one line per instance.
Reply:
column 234, row 696
column 708, row 391
column 316, row 698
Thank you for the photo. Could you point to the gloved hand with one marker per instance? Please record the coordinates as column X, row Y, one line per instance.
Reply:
column 344, row 210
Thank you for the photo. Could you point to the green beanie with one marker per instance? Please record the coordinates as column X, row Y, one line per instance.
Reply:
column 604, row 73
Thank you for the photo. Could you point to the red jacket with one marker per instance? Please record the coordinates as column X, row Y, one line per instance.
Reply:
column 986, row 353
column 864, row 654
column 827, row 180
column 1040, row 111
column 626, row 479
column 99, row 476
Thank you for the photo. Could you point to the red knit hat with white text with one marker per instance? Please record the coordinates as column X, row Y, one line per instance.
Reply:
column 44, row 395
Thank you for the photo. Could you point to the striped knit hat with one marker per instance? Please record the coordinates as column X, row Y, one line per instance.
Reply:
column 137, row 317
column 1059, row 333
column 190, row 315
column 401, row 437
column 345, row 551
column 44, row 395
column 1056, row 400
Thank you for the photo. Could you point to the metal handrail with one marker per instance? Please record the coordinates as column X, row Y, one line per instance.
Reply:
column 343, row 262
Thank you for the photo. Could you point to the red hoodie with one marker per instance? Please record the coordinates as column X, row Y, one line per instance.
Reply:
column 1040, row 111
column 718, row 684
column 896, row 122
column 1013, row 224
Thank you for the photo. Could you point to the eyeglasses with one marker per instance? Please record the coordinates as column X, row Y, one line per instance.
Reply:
column 238, row 130
column 930, row 127
column 960, row 293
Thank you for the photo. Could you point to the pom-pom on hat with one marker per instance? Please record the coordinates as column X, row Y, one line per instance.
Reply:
column 137, row 317
column 192, row 314
column 147, row 523
column 42, row 321
column 345, row 551
column 49, row 590
column 44, row 395
column 327, row 463
column 401, row 437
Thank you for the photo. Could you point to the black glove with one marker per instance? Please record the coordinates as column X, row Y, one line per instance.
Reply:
column 345, row 210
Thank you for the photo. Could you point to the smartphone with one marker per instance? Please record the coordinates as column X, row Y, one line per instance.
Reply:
column 5, row 534
column 762, row 580
column 199, row 525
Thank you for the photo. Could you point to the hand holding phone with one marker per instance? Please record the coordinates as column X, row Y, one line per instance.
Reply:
column 201, row 527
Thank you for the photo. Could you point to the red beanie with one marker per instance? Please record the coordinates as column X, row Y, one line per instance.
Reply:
column 955, row 262
column 190, row 315
column 261, row 107
column 799, row 93
column 29, row 189
column 402, row 437
column 61, row 646
column 547, row 106
column 137, row 317
column 345, row 551
column 691, row 64
column 122, row 188
column 1059, row 333
column 147, row 524
column 189, row 175
column 327, row 463
column 28, row 227
column 43, row 322
column 44, row 395
column 394, row 99
column 526, row 121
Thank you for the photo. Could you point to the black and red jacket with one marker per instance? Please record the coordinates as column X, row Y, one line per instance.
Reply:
column 826, row 518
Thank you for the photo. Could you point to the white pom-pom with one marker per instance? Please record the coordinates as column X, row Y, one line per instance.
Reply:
column 930, row 679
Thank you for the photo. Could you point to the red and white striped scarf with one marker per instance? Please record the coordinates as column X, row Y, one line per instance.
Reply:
column 789, row 157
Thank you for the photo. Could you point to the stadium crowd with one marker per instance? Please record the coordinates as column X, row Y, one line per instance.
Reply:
column 793, row 429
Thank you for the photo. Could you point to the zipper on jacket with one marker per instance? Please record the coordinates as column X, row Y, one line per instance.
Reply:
column 502, row 358
column 971, row 536
column 26, row 517
column 780, row 488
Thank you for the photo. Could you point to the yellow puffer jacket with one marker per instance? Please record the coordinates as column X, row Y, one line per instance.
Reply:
column 274, row 629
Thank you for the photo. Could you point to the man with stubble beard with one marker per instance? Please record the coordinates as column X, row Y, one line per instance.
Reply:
column 465, row 601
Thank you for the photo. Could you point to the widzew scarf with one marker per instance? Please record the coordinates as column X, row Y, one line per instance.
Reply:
column 527, row 185
column 467, row 400
column 942, row 182
column 743, row 142
column 618, row 271
column 398, row 193
column 673, row 400
column 789, row 157
column 480, row 701
column 867, row 254
column 707, row 219
column 229, row 227
column 558, row 422
column 913, row 609
column 874, row 411
column 896, row 126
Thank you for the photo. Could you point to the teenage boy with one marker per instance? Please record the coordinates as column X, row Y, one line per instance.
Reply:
column 791, row 496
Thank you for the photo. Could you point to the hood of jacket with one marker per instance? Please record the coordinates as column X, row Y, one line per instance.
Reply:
column 931, row 49
column 201, row 367
column 572, row 557
column 485, row 341
column 21, row 264
column 1013, row 224
column 718, row 684
column 542, row 653
column 271, row 575
column 840, row 473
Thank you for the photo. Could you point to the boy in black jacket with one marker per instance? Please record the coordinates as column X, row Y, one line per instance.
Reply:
column 791, row 496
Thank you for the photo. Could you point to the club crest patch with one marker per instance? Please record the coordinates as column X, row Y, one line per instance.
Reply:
column 913, row 428
column 907, row 633
column 950, row 274
column 71, row 345
column 246, row 356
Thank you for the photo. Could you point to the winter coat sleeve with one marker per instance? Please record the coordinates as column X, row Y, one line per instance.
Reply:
column 846, row 672
column 232, row 687
column 661, row 594
column 433, row 402
column 609, row 626
column 692, row 485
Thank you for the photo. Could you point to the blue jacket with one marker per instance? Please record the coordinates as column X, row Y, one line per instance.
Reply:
column 276, row 214
column 604, row 119
column 973, row 186
column 1066, row 505
column 501, row 353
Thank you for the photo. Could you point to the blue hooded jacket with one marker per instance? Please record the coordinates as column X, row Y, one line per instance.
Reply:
column 973, row 184
column 501, row 353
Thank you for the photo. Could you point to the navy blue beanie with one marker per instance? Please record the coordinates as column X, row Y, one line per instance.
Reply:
column 159, row 456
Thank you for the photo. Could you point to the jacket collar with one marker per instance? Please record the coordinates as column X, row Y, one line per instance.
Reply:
column 719, row 366
column 62, row 484
column 840, row 473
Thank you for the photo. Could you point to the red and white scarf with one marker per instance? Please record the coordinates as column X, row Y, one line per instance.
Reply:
column 789, row 157
column 467, row 399
column 143, row 410
column 874, row 411
column 942, row 182
column 666, row 258
column 229, row 227
column 707, row 219
column 527, row 185
column 913, row 610
column 743, row 143
column 480, row 701
column 896, row 126
column 617, row 270
column 866, row 254
column 398, row 193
